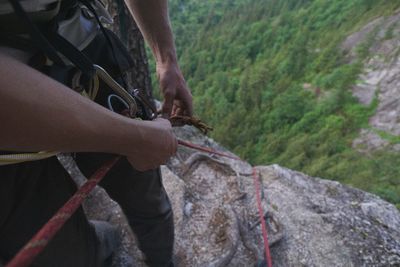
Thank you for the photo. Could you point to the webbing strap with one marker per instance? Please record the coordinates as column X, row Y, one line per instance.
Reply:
column 106, row 36
column 80, row 60
column 50, row 43
column 37, row 37
column 11, row 24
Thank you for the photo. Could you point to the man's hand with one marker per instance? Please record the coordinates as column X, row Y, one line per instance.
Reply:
column 152, row 18
column 158, row 144
column 177, row 96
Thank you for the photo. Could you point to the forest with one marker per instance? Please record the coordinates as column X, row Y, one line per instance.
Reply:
column 270, row 77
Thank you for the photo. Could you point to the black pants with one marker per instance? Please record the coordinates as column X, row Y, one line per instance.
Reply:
column 30, row 193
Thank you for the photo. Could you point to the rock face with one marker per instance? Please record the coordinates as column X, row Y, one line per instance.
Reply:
column 311, row 222
column 380, row 79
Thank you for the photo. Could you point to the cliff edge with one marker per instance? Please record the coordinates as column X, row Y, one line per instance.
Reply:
column 311, row 221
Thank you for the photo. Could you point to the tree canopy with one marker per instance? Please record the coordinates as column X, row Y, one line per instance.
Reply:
column 271, row 79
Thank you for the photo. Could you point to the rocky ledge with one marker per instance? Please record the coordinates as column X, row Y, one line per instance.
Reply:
column 311, row 221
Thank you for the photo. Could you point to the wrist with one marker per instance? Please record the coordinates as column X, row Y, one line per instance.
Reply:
column 166, row 59
column 124, row 137
column 166, row 69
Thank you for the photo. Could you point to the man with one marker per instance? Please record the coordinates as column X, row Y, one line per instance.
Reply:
column 39, row 114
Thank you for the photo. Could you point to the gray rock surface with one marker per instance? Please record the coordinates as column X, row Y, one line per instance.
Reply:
column 99, row 206
column 380, row 79
column 311, row 222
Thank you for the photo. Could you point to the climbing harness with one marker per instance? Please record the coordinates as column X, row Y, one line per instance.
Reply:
column 86, row 76
column 121, row 92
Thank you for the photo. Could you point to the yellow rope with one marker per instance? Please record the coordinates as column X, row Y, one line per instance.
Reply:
column 24, row 157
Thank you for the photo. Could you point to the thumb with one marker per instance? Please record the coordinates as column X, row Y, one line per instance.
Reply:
column 163, row 121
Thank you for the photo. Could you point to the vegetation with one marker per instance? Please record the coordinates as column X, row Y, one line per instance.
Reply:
column 270, row 77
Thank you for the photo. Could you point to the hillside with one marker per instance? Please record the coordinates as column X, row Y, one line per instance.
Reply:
column 273, row 80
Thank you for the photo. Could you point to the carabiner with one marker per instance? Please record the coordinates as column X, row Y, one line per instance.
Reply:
column 118, row 89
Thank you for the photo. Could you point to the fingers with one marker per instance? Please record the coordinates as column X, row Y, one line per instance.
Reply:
column 177, row 96
column 143, row 166
column 171, row 140
column 145, row 162
column 162, row 121
column 177, row 109
column 169, row 96
column 159, row 145
column 187, row 102
column 181, row 105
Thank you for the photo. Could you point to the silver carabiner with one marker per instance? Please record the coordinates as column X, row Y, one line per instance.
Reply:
column 117, row 97
column 119, row 90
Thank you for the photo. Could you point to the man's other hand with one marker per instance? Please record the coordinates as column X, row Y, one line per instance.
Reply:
column 157, row 146
column 177, row 96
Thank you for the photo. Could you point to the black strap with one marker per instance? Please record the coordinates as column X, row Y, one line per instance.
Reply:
column 105, row 33
column 80, row 60
column 37, row 37
column 55, row 42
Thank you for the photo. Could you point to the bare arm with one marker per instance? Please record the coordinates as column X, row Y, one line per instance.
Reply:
column 38, row 113
column 153, row 21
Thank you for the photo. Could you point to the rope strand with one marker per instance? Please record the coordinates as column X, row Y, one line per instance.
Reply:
column 262, row 219
column 36, row 245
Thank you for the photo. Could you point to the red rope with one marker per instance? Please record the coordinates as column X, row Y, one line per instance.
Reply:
column 258, row 194
column 262, row 220
column 206, row 149
column 29, row 252
column 36, row 245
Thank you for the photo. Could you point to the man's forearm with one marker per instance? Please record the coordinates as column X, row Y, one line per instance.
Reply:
column 153, row 21
column 38, row 113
